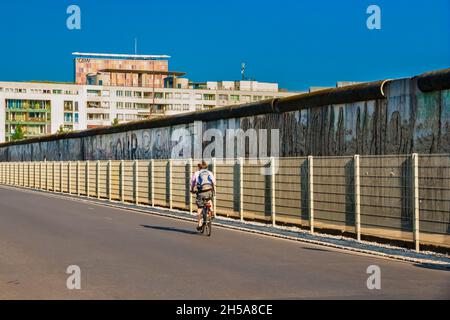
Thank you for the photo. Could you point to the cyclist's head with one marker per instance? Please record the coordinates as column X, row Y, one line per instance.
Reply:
column 202, row 165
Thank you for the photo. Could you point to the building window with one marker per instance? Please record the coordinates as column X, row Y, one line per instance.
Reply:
column 234, row 98
column 246, row 98
column 209, row 97
column 68, row 105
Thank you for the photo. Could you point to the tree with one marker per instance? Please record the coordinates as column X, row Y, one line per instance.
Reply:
column 19, row 133
column 115, row 122
column 61, row 130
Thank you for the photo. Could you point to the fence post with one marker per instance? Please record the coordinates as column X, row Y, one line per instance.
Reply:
column 136, row 182
column 29, row 175
column 151, row 178
column 78, row 178
column 190, row 173
column 97, row 179
column 214, row 171
column 53, row 176
column 311, row 192
column 416, row 200
column 34, row 175
column 87, row 177
column 69, row 177
column 357, row 181
column 60, row 179
column 170, row 184
column 122, row 175
column 241, row 189
column 46, row 174
column 272, row 191
column 109, row 180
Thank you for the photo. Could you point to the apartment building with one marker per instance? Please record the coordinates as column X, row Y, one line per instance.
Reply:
column 123, row 87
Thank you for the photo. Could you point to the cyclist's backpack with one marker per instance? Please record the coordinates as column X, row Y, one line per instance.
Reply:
column 204, row 181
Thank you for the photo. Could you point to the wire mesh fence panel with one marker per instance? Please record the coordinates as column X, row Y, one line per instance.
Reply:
column 227, row 192
column 103, row 179
column 115, row 180
column 73, row 177
column 55, row 175
column 143, row 185
column 161, row 183
column 291, row 191
column 194, row 168
column 256, row 185
column 128, row 181
column 83, row 178
column 386, row 196
column 38, row 173
column 21, row 174
column 48, row 175
column 434, row 193
column 26, row 177
column 334, row 193
column 92, row 181
column 42, row 175
column 66, row 177
column 180, row 185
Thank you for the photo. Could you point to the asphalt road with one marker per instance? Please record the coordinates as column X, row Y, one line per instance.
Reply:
column 127, row 255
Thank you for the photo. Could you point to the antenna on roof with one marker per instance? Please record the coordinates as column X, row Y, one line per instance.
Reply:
column 243, row 71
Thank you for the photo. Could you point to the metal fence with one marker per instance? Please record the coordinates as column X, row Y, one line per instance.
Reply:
column 394, row 197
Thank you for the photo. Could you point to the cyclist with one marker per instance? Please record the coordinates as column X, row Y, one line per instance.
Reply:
column 203, row 184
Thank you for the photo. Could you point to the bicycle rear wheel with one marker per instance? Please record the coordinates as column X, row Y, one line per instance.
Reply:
column 208, row 228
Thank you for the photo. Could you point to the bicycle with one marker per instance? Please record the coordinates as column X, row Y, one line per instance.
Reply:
column 207, row 219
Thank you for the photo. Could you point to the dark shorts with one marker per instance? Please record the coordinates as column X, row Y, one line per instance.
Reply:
column 203, row 198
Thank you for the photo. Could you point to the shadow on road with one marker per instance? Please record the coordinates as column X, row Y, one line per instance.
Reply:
column 169, row 229
column 433, row 266
column 315, row 249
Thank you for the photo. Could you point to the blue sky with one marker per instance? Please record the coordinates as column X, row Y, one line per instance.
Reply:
column 296, row 43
